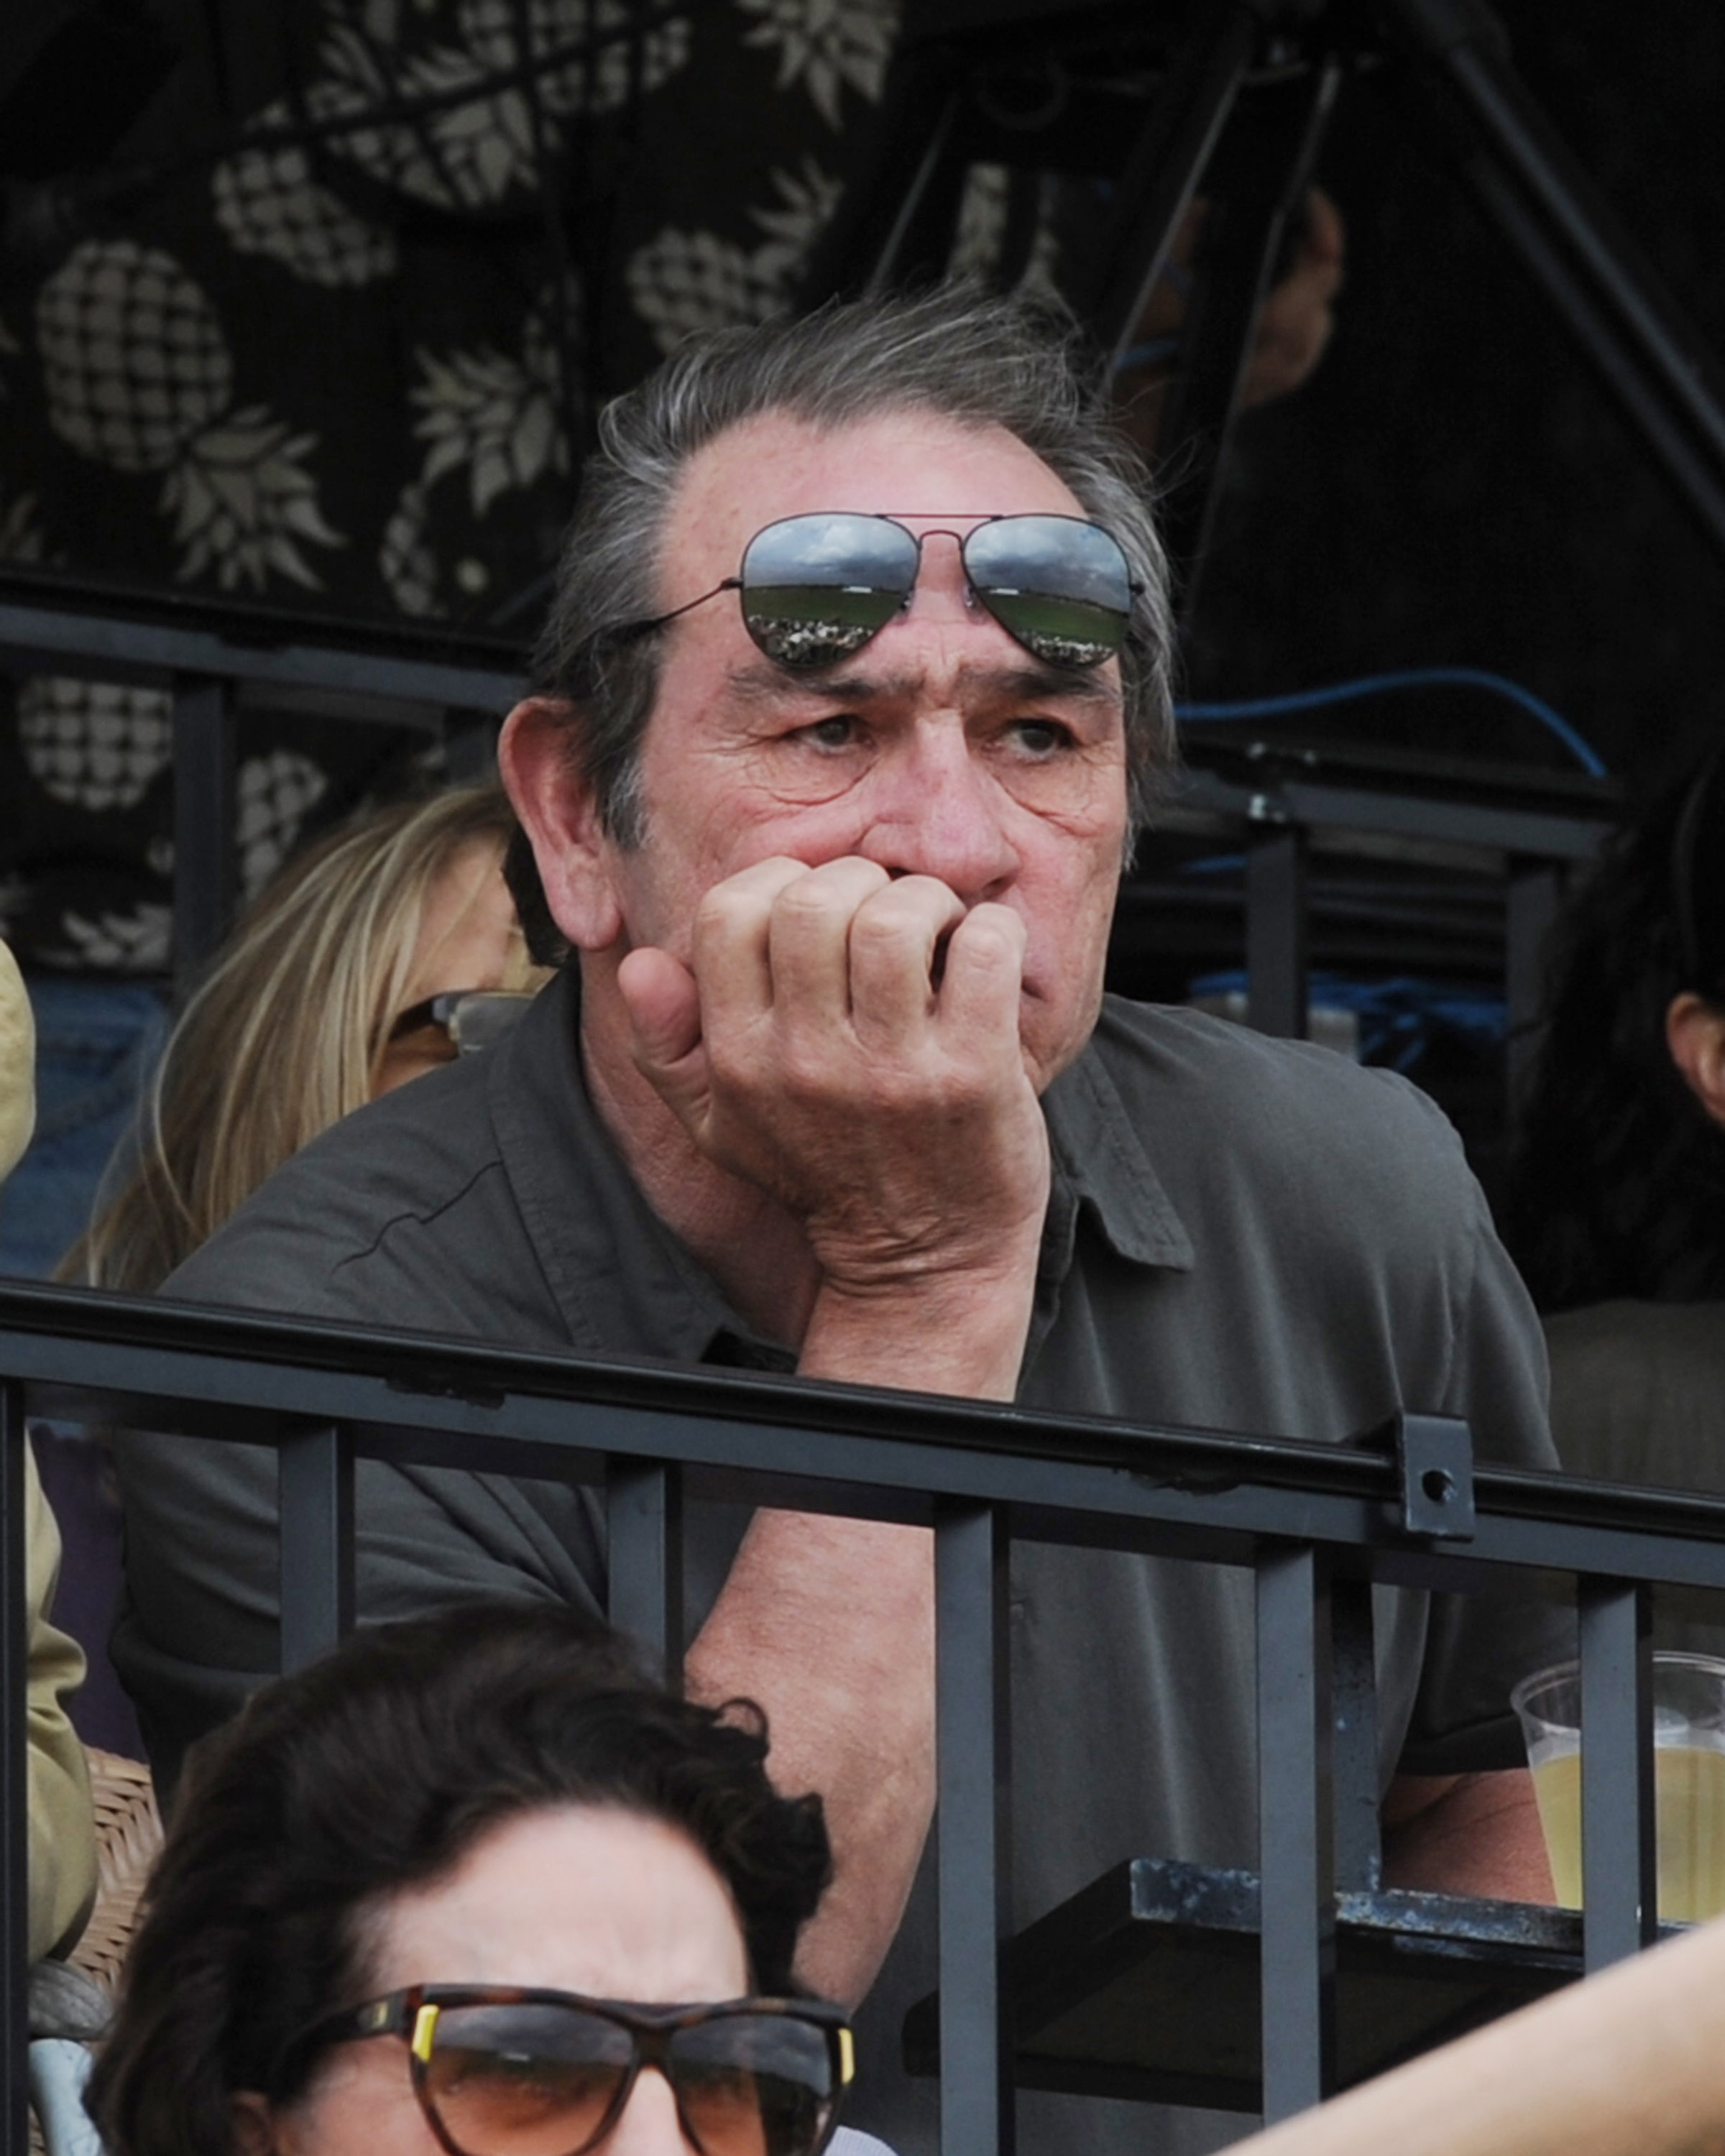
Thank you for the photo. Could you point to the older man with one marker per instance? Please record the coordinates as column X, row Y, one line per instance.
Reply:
column 856, row 685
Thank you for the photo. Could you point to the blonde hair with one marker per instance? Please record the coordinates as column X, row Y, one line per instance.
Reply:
column 286, row 1033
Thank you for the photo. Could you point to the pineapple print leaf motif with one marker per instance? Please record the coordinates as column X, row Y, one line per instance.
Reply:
column 21, row 536
column 471, row 151
column 241, row 499
column 267, row 203
column 496, row 416
column 133, row 359
column 137, row 942
column 684, row 281
column 827, row 45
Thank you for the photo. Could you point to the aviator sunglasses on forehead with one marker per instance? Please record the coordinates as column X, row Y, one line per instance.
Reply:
column 503, row 2071
column 815, row 589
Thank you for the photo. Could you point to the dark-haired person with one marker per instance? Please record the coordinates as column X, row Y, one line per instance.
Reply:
column 856, row 691
column 471, row 1882
column 1617, row 1206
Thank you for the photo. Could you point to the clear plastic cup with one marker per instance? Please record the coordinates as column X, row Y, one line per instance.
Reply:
column 1688, row 1778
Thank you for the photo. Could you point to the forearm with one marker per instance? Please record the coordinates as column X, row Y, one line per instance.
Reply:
column 1466, row 1834
column 829, row 1625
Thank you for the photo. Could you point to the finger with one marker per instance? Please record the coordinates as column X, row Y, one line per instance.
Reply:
column 984, row 977
column 730, row 940
column 664, row 1006
column 809, row 938
column 895, row 944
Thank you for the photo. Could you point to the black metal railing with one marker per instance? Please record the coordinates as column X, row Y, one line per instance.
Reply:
column 1315, row 1523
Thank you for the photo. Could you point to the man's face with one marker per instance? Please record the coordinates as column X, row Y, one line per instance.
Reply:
column 942, row 748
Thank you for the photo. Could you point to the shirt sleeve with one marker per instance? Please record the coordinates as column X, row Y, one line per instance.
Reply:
column 62, row 1825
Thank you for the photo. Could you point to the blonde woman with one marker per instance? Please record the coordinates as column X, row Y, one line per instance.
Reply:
column 335, row 987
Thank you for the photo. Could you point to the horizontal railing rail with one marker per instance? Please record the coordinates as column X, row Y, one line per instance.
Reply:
column 1311, row 1520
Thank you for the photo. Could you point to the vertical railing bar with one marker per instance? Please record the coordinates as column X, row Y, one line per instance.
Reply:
column 643, row 1516
column 1360, row 1842
column 14, row 1774
column 973, row 1828
column 1276, row 929
column 1618, row 1884
column 315, row 1481
column 1296, row 1832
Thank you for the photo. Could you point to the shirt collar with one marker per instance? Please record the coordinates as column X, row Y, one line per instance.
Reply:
column 1099, row 1157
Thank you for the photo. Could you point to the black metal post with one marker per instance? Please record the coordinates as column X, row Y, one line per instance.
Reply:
column 1296, row 1837
column 315, row 1477
column 206, row 880
column 643, row 1516
column 1161, row 177
column 14, row 1779
column 974, row 1827
column 1251, row 200
column 1653, row 364
column 1277, row 929
column 1359, row 1840
column 1620, row 1889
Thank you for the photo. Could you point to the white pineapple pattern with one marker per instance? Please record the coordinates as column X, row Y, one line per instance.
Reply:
column 139, row 377
column 685, row 281
column 496, row 416
column 22, row 538
column 827, row 45
column 267, row 201
column 275, row 793
column 95, row 745
column 135, row 942
column 242, row 500
column 405, row 559
column 982, row 229
column 134, row 360
column 470, row 152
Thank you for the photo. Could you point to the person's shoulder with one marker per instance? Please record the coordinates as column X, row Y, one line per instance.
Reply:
column 1176, row 1069
column 399, row 1169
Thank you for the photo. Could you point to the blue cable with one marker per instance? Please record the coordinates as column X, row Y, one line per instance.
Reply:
column 1462, row 677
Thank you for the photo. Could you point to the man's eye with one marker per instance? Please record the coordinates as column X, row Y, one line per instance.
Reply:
column 837, row 730
column 1039, row 738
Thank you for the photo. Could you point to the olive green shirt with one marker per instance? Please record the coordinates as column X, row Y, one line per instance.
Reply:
column 1243, row 1234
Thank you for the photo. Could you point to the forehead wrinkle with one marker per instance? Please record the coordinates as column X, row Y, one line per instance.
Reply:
column 764, row 683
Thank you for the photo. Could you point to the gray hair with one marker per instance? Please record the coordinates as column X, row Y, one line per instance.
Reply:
column 981, row 362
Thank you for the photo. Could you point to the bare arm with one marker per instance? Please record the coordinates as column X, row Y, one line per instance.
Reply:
column 892, row 1116
column 1466, row 1834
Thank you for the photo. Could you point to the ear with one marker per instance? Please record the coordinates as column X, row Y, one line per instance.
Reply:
column 1695, row 1034
column 561, row 821
column 252, row 2125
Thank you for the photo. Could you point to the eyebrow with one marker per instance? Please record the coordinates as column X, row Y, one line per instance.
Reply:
column 766, row 684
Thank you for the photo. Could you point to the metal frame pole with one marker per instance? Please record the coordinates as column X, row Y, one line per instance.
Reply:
column 314, row 1479
column 973, row 1827
column 643, row 1523
column 1296, row 1830
column 1620, row 1890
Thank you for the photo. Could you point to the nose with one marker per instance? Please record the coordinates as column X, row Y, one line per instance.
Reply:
column 937, row 811
column 649, row 2125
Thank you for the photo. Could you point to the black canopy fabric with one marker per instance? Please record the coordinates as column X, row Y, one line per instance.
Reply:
column 327, row 330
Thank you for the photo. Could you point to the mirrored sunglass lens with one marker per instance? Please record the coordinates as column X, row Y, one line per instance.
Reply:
column 1060, row 587
column 524, row 2080
column 816, row 589
column 753, row 2085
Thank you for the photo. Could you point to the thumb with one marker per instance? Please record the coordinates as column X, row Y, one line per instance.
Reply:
column 664, row 1006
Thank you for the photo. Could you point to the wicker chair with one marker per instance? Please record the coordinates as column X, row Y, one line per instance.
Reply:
column 128, row 1836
